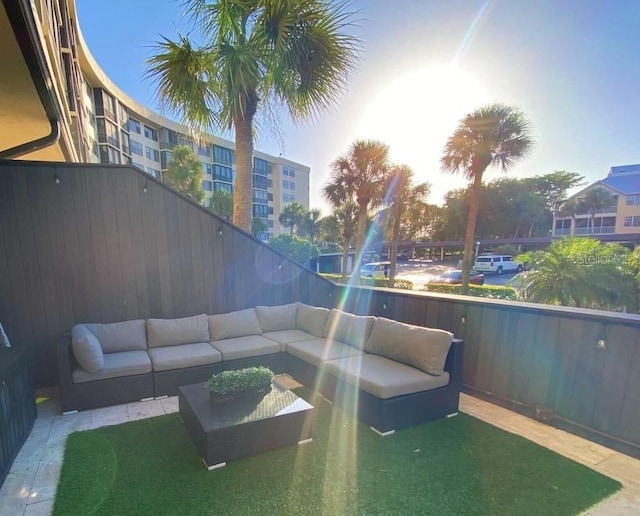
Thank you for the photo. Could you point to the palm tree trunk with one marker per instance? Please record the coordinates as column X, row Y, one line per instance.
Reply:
column 242, row 189
column 345, row 256
column 394, row 247
column 362, row 232
column 474, row 203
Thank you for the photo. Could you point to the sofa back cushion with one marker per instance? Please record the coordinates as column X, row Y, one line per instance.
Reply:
column 234, row 324
column 312, row 319
column 86, row 349
column 423, row 348
column 173, row 332
column 277, row 318
column 348, row 328
column 120, row 336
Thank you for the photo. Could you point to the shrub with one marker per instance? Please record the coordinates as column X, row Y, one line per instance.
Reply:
column 489, row 291
column 372, row 282
column 240, row 380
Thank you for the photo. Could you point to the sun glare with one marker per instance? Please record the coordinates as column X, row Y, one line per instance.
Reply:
column 416, row 112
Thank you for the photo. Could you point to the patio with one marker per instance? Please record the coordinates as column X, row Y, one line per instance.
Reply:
column 30, row 487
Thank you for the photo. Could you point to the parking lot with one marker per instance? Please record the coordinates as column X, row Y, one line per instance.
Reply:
column 421, row 272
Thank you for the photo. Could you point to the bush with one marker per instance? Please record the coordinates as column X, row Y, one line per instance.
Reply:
column 372, row 282
column 489, row 291
column 240, row 380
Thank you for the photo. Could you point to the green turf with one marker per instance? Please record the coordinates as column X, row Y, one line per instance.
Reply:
column 453, row 466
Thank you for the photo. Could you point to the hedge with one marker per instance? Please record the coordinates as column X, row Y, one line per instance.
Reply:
column 490, row 291
column 372, row 282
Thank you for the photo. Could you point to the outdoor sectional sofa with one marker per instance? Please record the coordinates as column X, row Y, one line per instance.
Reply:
column 392, row 374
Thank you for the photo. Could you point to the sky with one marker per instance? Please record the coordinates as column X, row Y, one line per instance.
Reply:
column 573, row 68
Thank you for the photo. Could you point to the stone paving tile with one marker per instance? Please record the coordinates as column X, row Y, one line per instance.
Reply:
column 145, row 409
column 43, row 508
column 15, row 492
column 170, row 405
column 46, row 482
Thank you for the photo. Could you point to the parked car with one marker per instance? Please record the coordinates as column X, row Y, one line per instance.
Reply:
column 375, row 270
column 497, row 263
column 454, row 277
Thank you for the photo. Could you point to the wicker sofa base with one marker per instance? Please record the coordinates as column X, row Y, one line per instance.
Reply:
column 386, row 415
column 102, row 393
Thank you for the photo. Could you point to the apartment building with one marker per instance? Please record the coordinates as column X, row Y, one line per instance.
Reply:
column 99, row 123
column 620, row 216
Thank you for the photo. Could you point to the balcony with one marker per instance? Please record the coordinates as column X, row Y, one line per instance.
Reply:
column 142, row 251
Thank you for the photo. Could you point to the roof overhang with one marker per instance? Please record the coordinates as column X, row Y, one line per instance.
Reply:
column 29, row 125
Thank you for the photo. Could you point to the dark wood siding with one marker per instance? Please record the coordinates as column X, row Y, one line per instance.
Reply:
column 539, row 360
column 97, row 248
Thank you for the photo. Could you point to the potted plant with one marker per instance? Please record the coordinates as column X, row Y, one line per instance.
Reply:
column 240, row 382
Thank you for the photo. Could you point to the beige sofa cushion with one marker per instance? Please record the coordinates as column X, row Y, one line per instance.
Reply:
column 383, row 378
column 348, row 328
column 276, row 318
column 124, row 363
column 173, row 332
column 86, row 349
column 234, row 324
column 284, row 337
column 424, row 348
column 185, row 355
column 317, row 351
column 245, row 347
column 120, row 336
column 312, row 319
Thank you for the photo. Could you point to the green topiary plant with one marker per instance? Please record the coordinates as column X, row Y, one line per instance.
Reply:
column 229, row 384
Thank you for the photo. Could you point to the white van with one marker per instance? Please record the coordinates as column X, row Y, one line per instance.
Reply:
column 375, row 270
column 498, row 263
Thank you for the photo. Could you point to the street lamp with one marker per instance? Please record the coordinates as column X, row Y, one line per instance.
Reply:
column 477, row 247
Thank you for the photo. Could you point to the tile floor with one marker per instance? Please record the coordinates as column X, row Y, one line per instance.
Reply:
column 30, row 487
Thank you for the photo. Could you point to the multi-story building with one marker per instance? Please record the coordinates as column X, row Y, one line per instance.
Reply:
column 97, row 122
column 621, row 216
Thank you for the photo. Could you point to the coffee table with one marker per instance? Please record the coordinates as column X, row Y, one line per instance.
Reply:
column 245, row 426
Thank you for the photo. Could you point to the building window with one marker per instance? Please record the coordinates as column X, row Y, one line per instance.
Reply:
column 152, row 154
column 223, row 155
column 633, row 200
column 151, row 133
column 206, row 185
column 207, row 169
column 260, row 182
column 260, row 211
column 288, row 185
column 154, row 172
column 217, row 186
column 289, row 171
column 136, row 148
column 204, row 150
column 223, row 173
column 632, row 221
column 261, row 167
column 138, row 165
column 287, row 198
column 134, row 125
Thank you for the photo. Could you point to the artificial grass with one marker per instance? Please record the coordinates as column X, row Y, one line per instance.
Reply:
column 452, row 466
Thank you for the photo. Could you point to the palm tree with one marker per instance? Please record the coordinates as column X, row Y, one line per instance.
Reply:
column 594, row 200
column 292, row 216
column 291, row 53
column 400, row 195
column 346, row 213
column 569, row 208
column 580, row 272
column 361, row 174
column 495, row 134
column 184, row 173
column 310, row 225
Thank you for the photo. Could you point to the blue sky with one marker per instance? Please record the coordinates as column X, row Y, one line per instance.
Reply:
column 573, row 67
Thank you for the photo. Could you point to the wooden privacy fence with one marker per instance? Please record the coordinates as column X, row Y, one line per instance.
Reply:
column 575, row 369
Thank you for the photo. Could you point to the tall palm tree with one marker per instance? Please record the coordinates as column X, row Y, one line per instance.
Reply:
column 495, row 134
column 292, row 53
column 595, row 199
column 569, row 208
column 346, row 212
column 292, row 216
column 401, row 193
column 361, row 174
